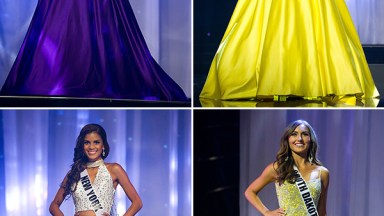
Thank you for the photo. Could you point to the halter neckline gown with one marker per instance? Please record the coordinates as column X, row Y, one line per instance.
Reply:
column 91, row 49
column 103, row 186
column 289, row 48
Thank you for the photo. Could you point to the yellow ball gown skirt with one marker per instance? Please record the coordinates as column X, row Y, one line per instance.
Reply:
column 305, row 48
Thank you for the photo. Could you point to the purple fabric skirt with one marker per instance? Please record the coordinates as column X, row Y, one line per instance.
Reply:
column 88, row 48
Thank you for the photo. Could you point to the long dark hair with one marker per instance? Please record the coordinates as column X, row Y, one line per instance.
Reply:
column 80, row 158
column 284, row 158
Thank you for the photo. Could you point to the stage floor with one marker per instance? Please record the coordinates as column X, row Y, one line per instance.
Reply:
column 375, row 58
column 377, row 71
column 7, row 101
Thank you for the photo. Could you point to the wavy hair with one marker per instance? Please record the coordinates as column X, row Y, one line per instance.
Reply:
column 284, row 159
column 80, row 159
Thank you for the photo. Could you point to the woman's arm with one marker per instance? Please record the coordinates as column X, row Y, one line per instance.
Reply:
column 322, row 205
column 54, row 208
column 268, row 176
column 130, row 191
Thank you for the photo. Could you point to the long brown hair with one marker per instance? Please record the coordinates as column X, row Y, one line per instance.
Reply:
column 284, row 158
column 80, row 158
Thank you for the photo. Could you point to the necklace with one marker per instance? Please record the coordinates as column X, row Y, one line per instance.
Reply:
column 95, row 163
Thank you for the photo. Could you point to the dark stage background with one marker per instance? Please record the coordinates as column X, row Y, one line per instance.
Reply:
column 231, row 148
column 216, row 162
column 210, row 21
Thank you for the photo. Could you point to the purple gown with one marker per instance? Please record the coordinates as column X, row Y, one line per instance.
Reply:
column 88, row 48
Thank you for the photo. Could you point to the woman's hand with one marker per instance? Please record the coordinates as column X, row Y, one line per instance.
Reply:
column 276, row 212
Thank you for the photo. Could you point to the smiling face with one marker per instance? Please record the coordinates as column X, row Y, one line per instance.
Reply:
column 300, row 140
column 93, row 146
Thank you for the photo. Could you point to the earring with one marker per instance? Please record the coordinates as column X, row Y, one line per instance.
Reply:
column 286, row 159
column 103, row 153
column 310, row 158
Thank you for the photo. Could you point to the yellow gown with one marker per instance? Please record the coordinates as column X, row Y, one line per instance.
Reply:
column 290, row 199
column 305, row 48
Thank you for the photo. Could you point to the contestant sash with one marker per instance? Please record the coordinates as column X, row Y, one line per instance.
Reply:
column 91, row 193
column 305, row 194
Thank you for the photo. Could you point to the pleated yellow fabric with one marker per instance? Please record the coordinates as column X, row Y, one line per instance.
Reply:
column 306, row 48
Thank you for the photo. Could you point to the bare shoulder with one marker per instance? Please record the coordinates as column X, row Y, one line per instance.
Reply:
column 64, row 182
column 270, row 170
column 273, row 166
column 324, row 174
column 114, row 168
column 323, row 170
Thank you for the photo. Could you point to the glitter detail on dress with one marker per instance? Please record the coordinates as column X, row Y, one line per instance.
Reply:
column 103, row 185
column 290, row 199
